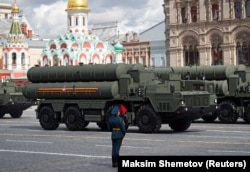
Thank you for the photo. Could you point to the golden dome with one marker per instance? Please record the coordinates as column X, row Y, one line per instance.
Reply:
column 15, row 9
column 78, row 5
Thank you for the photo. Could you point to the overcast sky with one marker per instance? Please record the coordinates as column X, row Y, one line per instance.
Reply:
column 49, row 18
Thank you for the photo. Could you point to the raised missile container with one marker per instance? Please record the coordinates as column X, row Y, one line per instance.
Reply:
column 84, row 73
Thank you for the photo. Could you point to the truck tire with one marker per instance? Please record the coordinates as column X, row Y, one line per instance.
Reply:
column 180, row 125
column 246, row 116
column 227, row 113
column 47, row 118
column 73, row 119
column 104, row 124
column 148, row 120
column 16, row 114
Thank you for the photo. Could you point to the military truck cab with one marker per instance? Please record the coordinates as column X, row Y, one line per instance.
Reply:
column 12, row 100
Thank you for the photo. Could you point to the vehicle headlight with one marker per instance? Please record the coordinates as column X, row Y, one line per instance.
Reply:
column 10, row 100
column 182, row 103
column 215, row 101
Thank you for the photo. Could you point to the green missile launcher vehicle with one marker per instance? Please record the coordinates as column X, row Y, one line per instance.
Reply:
column 78, row 95
column 12, row 100
column 231, row 84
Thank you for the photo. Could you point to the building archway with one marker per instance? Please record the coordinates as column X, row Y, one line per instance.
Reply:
column 243, row 48
column 216, row 50
column 190, row 51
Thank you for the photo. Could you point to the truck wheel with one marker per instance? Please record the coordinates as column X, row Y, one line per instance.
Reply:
column 47, row 118
column 180, row 125
column 2, row 114
column 246, row 116
column 227, row 113
column 147, row 120
column 104, row 124
column 74, row 120
column 17, row 114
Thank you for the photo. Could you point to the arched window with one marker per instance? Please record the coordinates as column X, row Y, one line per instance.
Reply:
column 23, row 59
column 215, row 11
column 243, row 53
column 191, row 55
column 13, row 58
column 194, row 13
column 66, row 61
column 190, row 52
column 83, row 21
column 248, row 8
column 96, row 60
column 76, row 21
column 217, row 54
column 184, row 14
column 70, row 24
column 243, row 48
column 45, row 61
column 83, row 60
column 6, row 58
column 237, row 9
column 108, row 61
column 216, row 50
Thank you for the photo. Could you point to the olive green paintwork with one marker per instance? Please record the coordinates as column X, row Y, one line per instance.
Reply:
column 77, row 95
column 12, row 100
column 230, row 83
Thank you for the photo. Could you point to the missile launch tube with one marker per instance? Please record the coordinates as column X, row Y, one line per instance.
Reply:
column 220, row 72
column 95, row 72
column 71, row 90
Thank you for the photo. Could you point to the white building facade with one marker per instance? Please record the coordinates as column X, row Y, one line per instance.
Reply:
column 79, row 45
column 15, row 50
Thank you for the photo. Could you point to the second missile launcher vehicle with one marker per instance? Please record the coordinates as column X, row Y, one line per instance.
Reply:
column 231, row 84
column 77, row 95
column 12, row 101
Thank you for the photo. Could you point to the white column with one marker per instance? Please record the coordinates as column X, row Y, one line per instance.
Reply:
column 243, row 7
column 210, row 16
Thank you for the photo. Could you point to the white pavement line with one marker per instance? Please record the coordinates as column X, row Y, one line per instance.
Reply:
column 39, row 130
column 244, row 152
column 133, row 147
column 206, row 136
column 25, row 141
column 59, row 154
column 225, row 131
